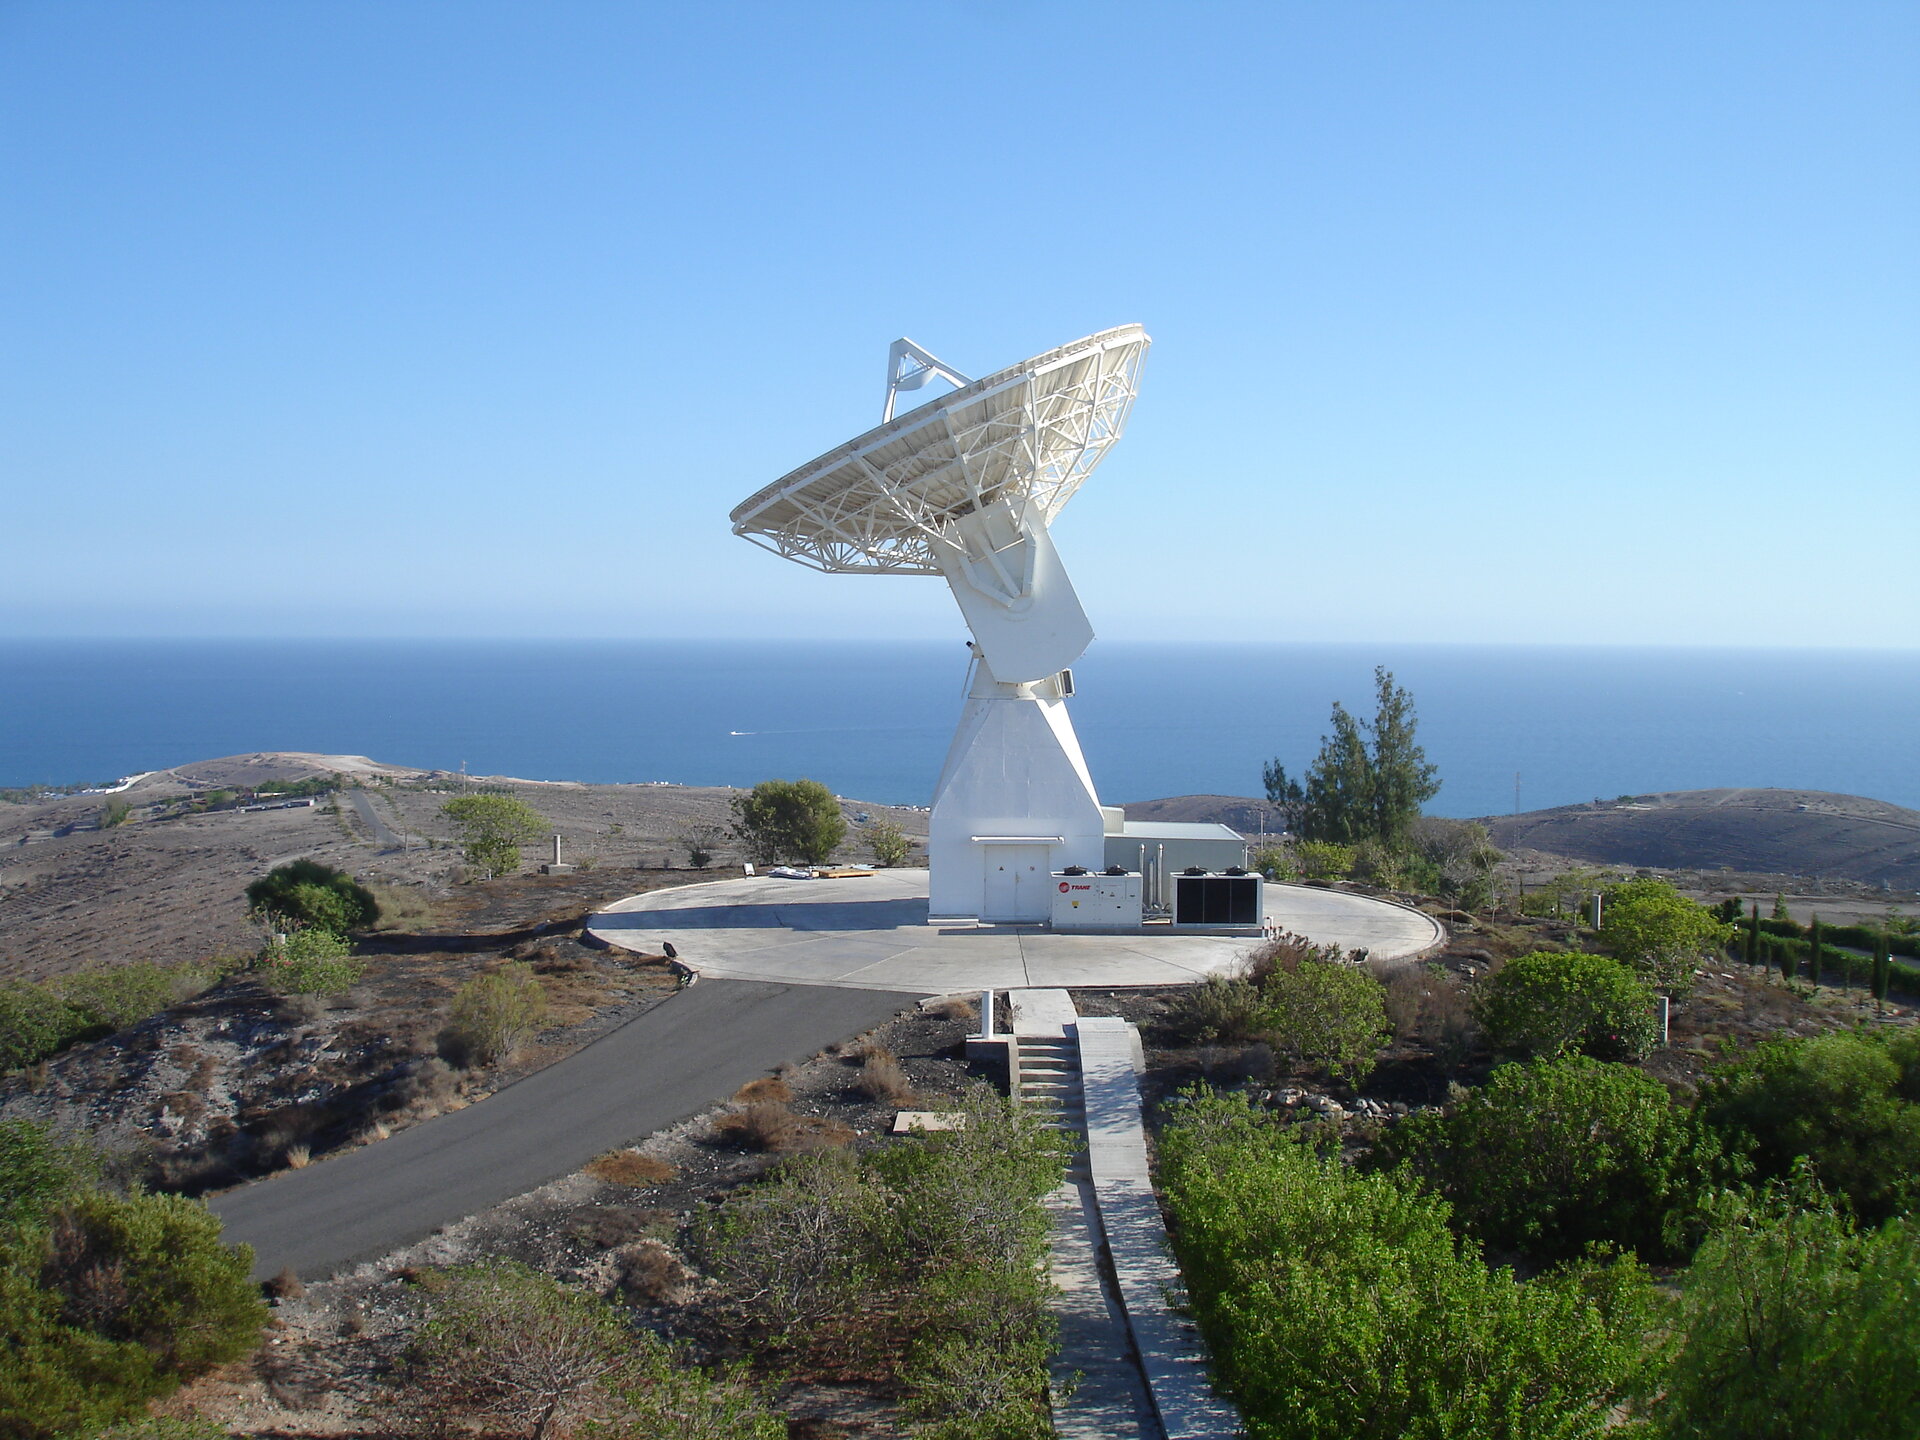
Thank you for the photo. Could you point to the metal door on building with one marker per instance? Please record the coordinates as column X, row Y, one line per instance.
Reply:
column 1017, row 879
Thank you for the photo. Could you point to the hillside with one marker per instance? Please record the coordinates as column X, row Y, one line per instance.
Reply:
column 1779, row 832
column 1807, row 833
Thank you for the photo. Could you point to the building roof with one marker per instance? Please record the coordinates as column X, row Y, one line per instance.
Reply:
column 1174, row 830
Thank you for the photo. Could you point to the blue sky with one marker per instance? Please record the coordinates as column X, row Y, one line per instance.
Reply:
column 1472, row 322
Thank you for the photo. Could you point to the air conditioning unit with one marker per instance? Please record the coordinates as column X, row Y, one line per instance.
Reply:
column 1222, row 900
column 1087, row 902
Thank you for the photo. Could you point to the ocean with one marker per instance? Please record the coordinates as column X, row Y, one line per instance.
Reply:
column 872, row 721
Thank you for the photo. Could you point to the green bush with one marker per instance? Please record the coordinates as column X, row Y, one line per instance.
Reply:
column 1276, row 862
column 35, row 1023
column 307, row 893
column 1552, row 1156
column 1324, row 860
column 1222, row 1009
column 122, row 995
column 1549, row 1003
column 311, row 962
column 1796, row 1326
column 493, row 1013
column 1847, row 1102
column 106, row 1301
column 943, row 1233
column 1659, row 933
column 1339, row 1304
column 888, row 844
column 1330, row 1015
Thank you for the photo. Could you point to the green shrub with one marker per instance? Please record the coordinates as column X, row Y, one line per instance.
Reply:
column 35, row 1023
column 1338, row 1304
column 493, row 1013
column 121, row 995
column 1848, row 1102
column 311, row 962
column 1222, row 1009
column 1324, row 860
column 1552, row 1156
column 307, row 893
column 109, row 1301
column 1276, row 862
column 1549, row 1003
column 888, row 844
column 1330, row 1015
column 1659, row 933
column 38, row 1170
column 506, row 1345
column 1795, row 1326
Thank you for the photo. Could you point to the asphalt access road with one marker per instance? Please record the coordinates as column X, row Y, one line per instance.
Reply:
column 671, row 1062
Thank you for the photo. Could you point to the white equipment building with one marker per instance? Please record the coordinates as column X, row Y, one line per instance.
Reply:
column 966, row 487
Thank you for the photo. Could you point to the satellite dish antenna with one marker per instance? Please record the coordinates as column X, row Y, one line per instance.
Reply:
column 966, row 487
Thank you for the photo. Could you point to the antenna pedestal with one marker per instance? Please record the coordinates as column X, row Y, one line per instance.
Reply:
column 1014, row 804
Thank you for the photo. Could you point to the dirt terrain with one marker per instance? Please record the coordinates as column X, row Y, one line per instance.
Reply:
column 166, row 884
column 1808, row 833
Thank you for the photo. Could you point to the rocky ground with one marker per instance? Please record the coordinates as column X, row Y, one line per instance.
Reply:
column 626, row 1226
column 237, row 1081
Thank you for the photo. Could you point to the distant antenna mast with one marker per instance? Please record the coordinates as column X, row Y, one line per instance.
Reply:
column 909, row 367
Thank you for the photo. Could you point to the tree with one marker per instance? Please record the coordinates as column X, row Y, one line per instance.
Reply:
column 1549, row 1003
column 309, row 893
column 493, row 828
column 1552, row 1156
column 1753, row 936
column 1368, row 781
column 1659, row 933
column 1284, row 793
column 1339, row 1304
column 1848, row 1102
column 493, row 1013
column 1882, row 967
column 506, row 1343
column 1337, row 804
column 1797, row 1326
column 888, row 844
column 789, row 820
column 1402, row 779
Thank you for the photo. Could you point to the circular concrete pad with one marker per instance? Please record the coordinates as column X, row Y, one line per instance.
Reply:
column 872, row 933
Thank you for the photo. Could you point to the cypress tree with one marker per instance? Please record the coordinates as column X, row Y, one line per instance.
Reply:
column 1813, row 948
column 1783, row 956
column 1882, row 968
column 1753, row 936
column 1780, row 911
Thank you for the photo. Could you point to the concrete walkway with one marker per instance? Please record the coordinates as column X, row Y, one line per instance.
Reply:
column 873, row 933
column 667, row 1064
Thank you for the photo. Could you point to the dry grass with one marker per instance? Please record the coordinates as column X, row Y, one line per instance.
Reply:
column 769, row 1088
column 651, row 1274
column 284, row 1286
column 604, row 1227
column 299, row 1156
column 402, row 907
column 1407, row 987
column 882, row 1078
column 954, row 1007
column 769, row 1125
column 630, row 1167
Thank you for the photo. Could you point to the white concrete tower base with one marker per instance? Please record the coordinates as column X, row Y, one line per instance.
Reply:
column 1014, row 804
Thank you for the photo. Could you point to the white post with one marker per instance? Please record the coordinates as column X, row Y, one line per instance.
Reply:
column 1666, row 1015
column 1599, row 904
column 986, row 1014
column 556, row 847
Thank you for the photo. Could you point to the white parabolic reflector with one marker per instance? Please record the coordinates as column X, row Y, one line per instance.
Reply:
column 966, row 487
